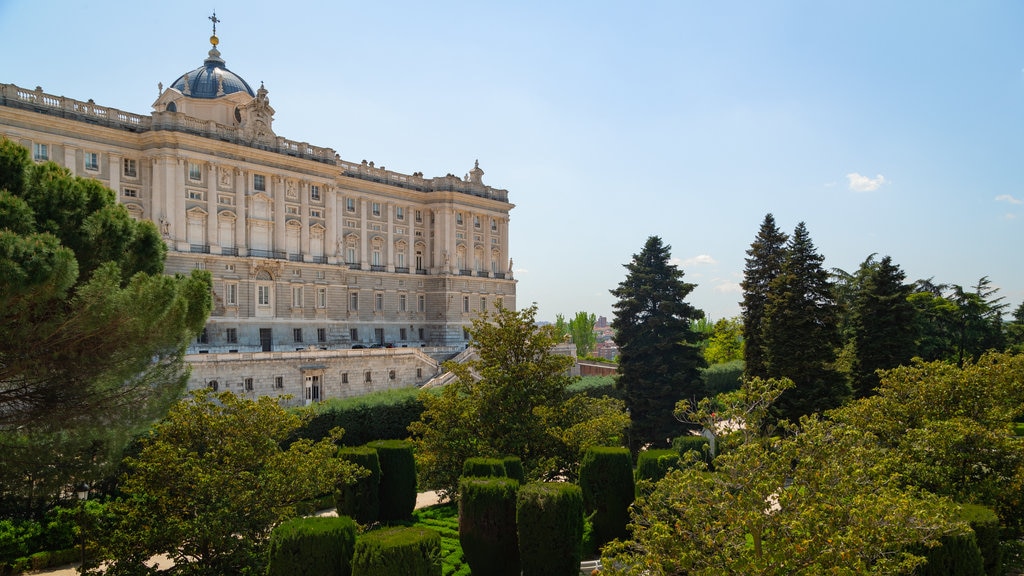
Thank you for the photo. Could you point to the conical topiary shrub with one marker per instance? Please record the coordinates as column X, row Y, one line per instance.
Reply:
column 398, row 479
column 361, row 499
column 549, row 517
column 606, row 478
column 487, row 525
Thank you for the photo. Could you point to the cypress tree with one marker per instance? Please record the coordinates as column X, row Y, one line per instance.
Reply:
column 659, row 360
column 884, row 323
column 764, row 263
column 799, row 332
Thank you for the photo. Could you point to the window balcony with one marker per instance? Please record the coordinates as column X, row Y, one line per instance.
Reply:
column 275, row 254
column 401, row 269
column 199, row 248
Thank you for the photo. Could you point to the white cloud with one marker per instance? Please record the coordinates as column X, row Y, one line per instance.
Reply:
column 726, row 287
column 1008, row 198
column 699, row 259
column 859, row 183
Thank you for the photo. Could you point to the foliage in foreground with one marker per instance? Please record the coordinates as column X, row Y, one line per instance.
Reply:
column 210, row 483
column 814, row 500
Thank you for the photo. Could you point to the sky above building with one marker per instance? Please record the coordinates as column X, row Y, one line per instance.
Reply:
column 889, row 128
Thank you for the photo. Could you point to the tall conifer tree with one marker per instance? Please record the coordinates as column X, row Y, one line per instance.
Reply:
column 659, row 359
column 883, row 324
column 764, row 263
column 799, row 331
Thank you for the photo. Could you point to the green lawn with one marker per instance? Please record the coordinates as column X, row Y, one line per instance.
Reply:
column 444, row 518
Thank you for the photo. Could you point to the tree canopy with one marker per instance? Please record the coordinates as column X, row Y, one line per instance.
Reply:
column 659, row 356
column 512, row 400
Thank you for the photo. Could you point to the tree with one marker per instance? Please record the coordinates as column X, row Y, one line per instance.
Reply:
column 811, row 501
column 92, row 333
column 883, row 322
column 1015, row 330
column 726, row 342
column 659, row 359
column 512, row 400
column 958, row 324
column 582, row 329
column 799, row 335
column 210, row 483
column 764, row 262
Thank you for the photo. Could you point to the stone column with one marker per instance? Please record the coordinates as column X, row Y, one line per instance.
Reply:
column 333, row 220
column 179, row 225
column 364, row 235
column 277, row 189
column 114, row 167
column 211, row 209
column 241, row 212
column 304, row 219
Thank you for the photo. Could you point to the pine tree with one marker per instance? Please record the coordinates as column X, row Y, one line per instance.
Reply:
column 883, row 322
column 799, row 331
column 659, row 359
column 764, row 263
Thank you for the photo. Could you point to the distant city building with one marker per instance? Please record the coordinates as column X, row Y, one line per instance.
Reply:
column 308, row 252
column 602, row 322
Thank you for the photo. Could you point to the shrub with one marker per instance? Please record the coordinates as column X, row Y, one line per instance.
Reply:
column 487, row 525
column 483, row 468
column 378, row 416
column 597, row 387
column 723, row 377
column 360, row 500
column 514, row 468
column 398, row 479
column 550, row 521
column 985, row 524
column 407, row 551
column 692, row 443
column 653, row 465
column 312, row 546
column 606, row 478
column 954, row 556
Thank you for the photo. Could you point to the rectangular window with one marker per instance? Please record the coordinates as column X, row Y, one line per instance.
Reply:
column 419, row 216
column 279, row 382
column 368, row 376
column 483, row 304
column 231, row 335
column 400, row 213
column 263, row 295
column 204, row 337
column 290, row 209
column 378, row 301
column 248, row 385
column 130, row 168
column 40, row 152
column 195, row 171
column 92, row 161
column 226, row 200
column 259, row 182
column 465, row 303
column 344, row 377
column 476, row 221
column 321, row 334
column 458, row 218
column 320, row 275
column 195, row 195
column 376, row 208
column 314, row 192
column 231, row 294
column 401, row 334
column 353, row 301
column 421, row 303
column 401, row 302
column 316, row 213
column 296, row 296
column 350, row 255
column 350, row 204
column 494, row 224
column 419, row 333
column 353, row 334
column 131, row 193
column 297, row 334
column 321, row 297
column 419, row 372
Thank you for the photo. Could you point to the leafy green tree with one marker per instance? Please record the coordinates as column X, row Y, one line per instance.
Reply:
column 811, row 501
column 511, row 400
column 726, row 342
column 799, row 334
column 92, row 333
column 659, row 359
column 211, row 482
column 764, row 262
column 883, row 322
column 581, row 327
column 561, row 326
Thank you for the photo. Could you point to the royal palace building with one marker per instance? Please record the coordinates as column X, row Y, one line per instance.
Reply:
column 333, row 276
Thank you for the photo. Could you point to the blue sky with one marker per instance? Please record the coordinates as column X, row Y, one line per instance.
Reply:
column 894, row 128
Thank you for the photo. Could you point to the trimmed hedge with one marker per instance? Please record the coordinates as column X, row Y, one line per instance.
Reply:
column 977, row 553
column 689, row 442
column 549, row 516
column 606, row 479
column 377, row 416
column 653, row 465
column 487, row 525
column 312, row 546
column 360, row 500
column 597, row 387
column 514, row 468
column 398, row 479
column 403, row 551
column 985, row 523
column 484, row 468
column 724, row 377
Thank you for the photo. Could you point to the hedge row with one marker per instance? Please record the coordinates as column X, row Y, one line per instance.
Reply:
column 653, row 465
column 549, row 518
column 315, row 546
column 378, row 416
column 487, row 525
column 407, row 551
column 606, row 480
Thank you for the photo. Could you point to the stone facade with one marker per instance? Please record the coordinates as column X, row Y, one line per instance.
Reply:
column 305, row 249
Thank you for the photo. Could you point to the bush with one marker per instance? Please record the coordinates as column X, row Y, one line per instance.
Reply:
column 483, row 468
column 408, row 551
column 724, row 377
column 514, row 468
column 312, row 546
column 550, row 521
column 361, row 500
column 487, row 525
column 398, row 479
column 985, row 524
column 597, row 387
column 689, row 442
column 378, row 416
column 606, row 478
column 653, row 465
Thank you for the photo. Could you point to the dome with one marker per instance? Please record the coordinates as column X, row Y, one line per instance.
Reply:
column 211, row 80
